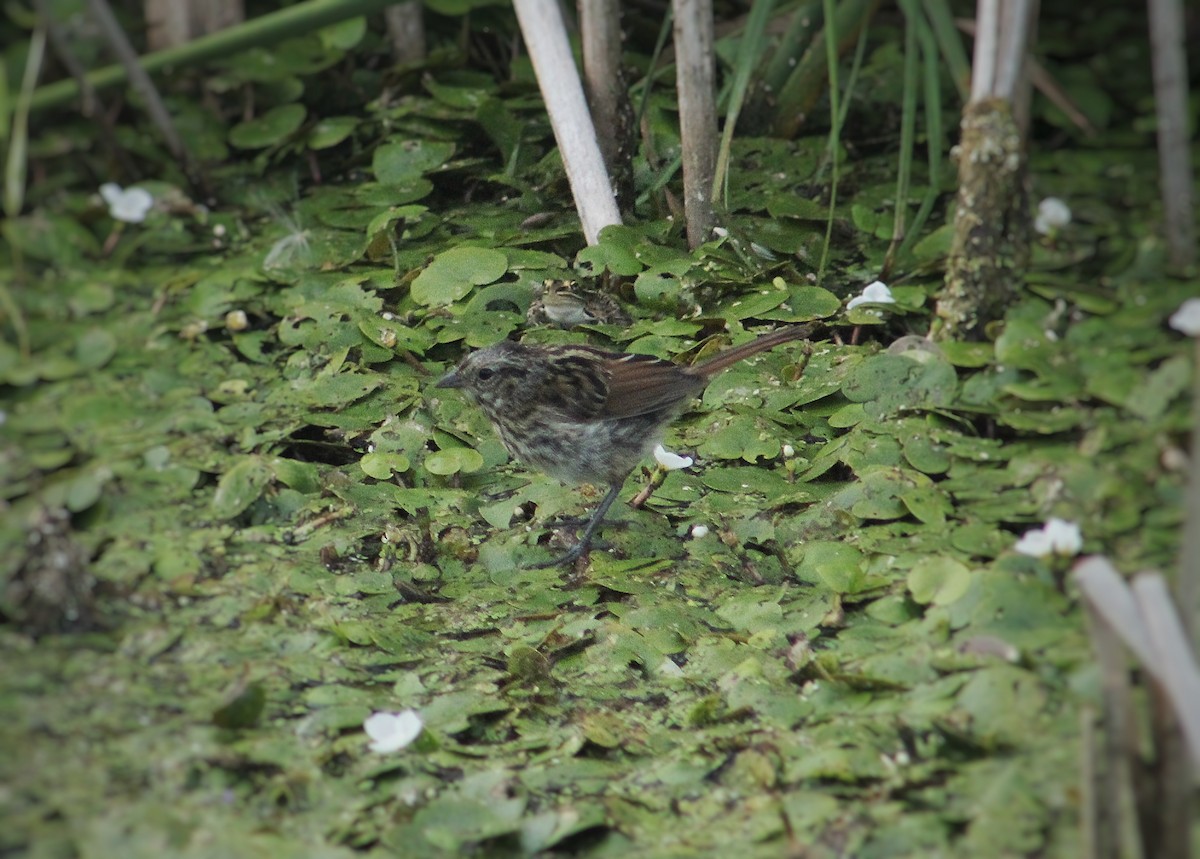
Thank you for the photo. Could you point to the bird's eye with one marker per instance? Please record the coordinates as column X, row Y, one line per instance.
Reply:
column 485, row 374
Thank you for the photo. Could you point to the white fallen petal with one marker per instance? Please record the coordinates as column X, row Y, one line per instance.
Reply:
column 1035, row 543
column 670, row 461
column 1065, row 537
column 130, row 205
column 1052, row 214
column 1056, row 537
column 390, row 732
column 1186, row 320
column 876, row 292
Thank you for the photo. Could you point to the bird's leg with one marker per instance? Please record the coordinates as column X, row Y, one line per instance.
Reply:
column 585, row 539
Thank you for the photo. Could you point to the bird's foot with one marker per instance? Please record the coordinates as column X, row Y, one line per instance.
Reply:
column 579, row 550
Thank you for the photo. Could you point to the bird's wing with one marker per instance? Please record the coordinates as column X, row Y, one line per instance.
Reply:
column 638, row 384
column 585, row 384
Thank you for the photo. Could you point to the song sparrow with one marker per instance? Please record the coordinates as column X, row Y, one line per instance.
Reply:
column 584, row 415
column 567, row 304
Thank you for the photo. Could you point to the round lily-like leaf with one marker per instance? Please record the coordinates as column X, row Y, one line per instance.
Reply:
column 741, row 438
column 939, row 581
column 273, row 127
column 243, row 709
column 240, row 486
column 454, row 273
column 403, row 161
column 86, row 489
column 343, row 35
column 888, row 384
column 755, row 303
column 454, row 460
column 331, row 131
column 744, row 479
column 660, row 285
column 838, row 565
column 95, row 348
column 926, row 455
column 301, row 476
column 619, row 250
column 382, row 466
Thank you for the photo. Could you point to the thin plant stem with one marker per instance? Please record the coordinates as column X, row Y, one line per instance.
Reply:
column 934, row 134
column 908, row 124
column 1167, row 34
column 1187, row 584
column 119, row 43
column 806, row 19
column 949, row 42
column 660, row 45
column 831, row 58
column 860, row 51
column 695, row 74
column 545, row 36
column 15, row 174
column 752, row 46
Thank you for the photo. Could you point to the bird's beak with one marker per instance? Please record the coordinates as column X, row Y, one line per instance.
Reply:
column 450, row 380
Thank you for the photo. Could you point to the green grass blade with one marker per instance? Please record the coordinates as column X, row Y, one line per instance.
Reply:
column 934, row 135
column 752, row 47
column 941, row 20
column 806, row 20
column 831, row 59
column 808, row 79
column 860, row 51
column 660, row 45
column 908, row 124
column 15, row 162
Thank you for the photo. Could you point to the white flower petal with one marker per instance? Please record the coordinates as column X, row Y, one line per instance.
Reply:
column 1186, row 320
column 1056, row 537
column 1065, row 537
column 1052, row 214
column 130, row 205
column 111, row 192
column 876, row 292
column 390, row 732
column 699, row 531
column 1035, row 543
column 670, row 461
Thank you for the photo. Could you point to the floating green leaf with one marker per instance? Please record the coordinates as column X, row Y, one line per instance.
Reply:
column 938, row 580
column 270, row 129
column 240, row 486
column 330, row 131
column 453, row 460
column 454, row 273
column 382, row 466
column 95, row 348
column 403, row 161
column 243, row 710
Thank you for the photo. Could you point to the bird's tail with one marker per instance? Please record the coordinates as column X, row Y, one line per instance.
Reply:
column 767, row 341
